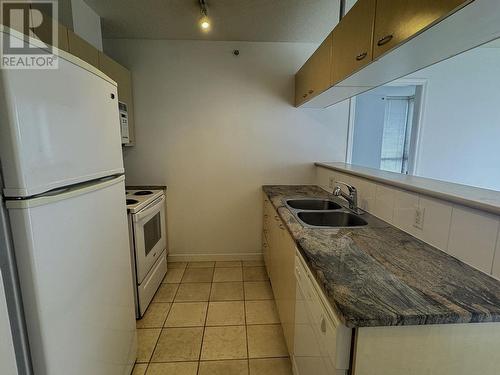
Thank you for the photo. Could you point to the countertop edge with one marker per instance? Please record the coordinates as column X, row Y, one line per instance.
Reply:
column 382, row 176
column 366, row 323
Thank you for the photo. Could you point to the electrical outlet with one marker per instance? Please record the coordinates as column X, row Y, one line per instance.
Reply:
column 419, row 218
column 332, row 182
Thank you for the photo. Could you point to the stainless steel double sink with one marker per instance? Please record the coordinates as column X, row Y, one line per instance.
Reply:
column 323, row 213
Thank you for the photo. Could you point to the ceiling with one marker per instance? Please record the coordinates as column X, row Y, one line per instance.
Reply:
column 241, row 20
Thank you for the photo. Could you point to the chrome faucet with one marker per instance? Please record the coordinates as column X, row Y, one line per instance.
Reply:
column 351, row 198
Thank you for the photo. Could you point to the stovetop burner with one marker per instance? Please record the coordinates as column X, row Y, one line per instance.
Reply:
column 143, row 192
column 132, row 201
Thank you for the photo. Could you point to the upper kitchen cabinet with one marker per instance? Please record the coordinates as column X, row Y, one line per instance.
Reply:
column 315, row 76
column 62, row 42
column 352, row 40
column 83, row 49
column 398, row 20
column 379, row 41
column 123, row 78
column 44, row 31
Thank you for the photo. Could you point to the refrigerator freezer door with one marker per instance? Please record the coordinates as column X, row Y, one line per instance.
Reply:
column 58, row 127
column 74, row 267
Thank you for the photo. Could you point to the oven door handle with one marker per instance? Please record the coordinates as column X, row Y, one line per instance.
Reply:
column 149, row 210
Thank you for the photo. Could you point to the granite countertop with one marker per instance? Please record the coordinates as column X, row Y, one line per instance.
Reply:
column 379, row 275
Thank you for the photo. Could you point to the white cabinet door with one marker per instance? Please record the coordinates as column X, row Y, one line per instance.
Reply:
column 322, row 343
column 57, row 127
column 307, row 358
column 7, row 357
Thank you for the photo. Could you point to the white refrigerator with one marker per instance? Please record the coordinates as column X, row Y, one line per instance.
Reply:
column 66, row 231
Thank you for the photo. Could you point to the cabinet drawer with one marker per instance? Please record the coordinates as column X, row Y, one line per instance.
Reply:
column 396, row 21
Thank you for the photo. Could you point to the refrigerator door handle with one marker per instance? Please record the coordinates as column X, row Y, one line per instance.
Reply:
column 65, row 194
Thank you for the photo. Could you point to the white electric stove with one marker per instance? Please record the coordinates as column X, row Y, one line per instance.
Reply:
column 148, row 243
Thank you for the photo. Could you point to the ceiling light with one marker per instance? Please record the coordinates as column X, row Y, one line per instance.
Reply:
column 204, row 20
column 204, row 23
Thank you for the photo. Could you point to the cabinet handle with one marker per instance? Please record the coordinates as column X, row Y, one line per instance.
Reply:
column 281, row 226
column 304, row 96
column 361, row 56
column 323, row 325
column 386, row 39
column 311, row 91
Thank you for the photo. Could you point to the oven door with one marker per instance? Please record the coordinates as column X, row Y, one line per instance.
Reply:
column 149, row 236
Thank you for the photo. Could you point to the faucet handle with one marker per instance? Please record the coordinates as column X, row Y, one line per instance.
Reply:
column 349, row 187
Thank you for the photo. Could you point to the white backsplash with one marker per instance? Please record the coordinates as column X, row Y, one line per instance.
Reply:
column 472, row 236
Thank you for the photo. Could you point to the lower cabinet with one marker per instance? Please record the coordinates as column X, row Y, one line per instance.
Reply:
column 278, row 250
column 322, row 342
column 317, row 341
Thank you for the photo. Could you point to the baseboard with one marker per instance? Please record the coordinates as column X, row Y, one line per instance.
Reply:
column 209, row 257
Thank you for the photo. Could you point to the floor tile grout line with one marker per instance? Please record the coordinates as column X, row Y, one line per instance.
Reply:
column 246, row 329
column 204, row 326
column 162, row 328
column 246, row 324
column 216, row 360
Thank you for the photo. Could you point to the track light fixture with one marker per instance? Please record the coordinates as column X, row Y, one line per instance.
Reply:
column 204, row 20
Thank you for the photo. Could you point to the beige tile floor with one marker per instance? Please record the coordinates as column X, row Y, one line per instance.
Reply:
column 212, row 318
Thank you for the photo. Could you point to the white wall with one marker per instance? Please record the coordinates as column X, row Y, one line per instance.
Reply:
column 460, row 133
column 86, row 23
column 215, row 127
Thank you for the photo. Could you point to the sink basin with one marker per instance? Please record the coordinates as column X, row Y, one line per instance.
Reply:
column 331, row 219
column 313, row 204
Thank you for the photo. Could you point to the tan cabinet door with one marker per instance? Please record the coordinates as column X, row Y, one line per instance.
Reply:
column 274, row 254
column 320, row 70
column 286, row 305
column 315, row 76
column 123, row 78
column 280, row 260
column 300, row 86
column 43, row 32
column 266, row 234
column 398, row 20
column 352, row 40
column 83, row 49
column 62, row 41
